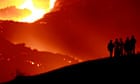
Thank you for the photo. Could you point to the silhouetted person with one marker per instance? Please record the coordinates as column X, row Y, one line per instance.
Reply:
column 110, row 48
column 117, row 48
column 121, row 45
column 127, row 46
column 133, row 44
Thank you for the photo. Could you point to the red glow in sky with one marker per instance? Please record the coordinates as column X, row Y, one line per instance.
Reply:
column 79, row 28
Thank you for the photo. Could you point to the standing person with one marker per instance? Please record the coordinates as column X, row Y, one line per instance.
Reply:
column 133, row 44
column 127, row 46
column 117, row 48
column 121, row 47
column 110, row 48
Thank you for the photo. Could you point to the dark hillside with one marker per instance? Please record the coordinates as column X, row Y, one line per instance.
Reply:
column 91, row 71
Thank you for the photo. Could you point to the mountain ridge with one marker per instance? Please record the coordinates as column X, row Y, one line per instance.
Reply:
column 89, row 71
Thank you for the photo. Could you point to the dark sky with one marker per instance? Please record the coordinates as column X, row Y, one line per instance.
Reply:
column 83, row 27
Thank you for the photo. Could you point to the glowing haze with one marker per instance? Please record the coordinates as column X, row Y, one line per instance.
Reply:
column 37, row 7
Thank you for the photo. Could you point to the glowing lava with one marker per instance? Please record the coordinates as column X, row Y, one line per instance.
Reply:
column 36, row 12
column 52, row 3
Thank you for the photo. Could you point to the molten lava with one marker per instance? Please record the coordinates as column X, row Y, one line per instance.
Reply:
column 36, row 12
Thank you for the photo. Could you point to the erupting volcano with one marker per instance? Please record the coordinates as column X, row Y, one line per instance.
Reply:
column 41, row 36
column 37, row 10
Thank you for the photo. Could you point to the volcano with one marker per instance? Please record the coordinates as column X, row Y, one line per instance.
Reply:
column 19, row 60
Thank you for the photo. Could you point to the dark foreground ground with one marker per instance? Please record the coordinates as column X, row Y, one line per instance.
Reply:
column 102, row 70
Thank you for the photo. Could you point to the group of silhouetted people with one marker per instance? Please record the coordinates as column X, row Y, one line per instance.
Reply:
column 122, row 48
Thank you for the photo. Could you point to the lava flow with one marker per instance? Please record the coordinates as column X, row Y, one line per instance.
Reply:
column 36, row 13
